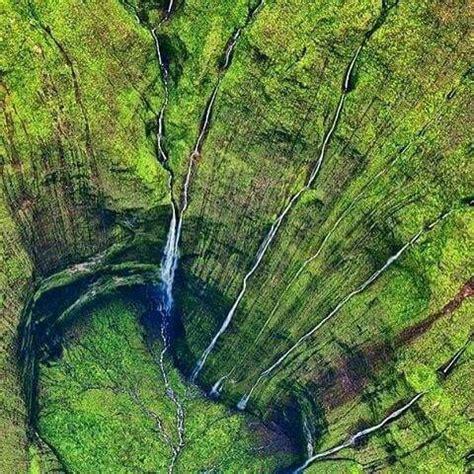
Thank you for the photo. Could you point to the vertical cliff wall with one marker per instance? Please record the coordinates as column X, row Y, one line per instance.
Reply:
column 325, row 273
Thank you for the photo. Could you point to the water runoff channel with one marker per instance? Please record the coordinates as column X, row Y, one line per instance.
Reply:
column 163, row 292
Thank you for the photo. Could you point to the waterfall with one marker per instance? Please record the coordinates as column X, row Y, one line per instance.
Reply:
column 277, row 223
column 164, row 293
column 361, row 434
column 169, row 262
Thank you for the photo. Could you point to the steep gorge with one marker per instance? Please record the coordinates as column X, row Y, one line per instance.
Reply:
column 285, row 186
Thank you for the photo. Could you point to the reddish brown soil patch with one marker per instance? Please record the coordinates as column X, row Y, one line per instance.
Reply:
column 410, row 334
column 350, row 375
column 272, row 439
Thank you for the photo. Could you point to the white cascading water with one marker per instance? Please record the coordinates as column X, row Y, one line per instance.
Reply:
column 217, row 387
column 455, row 358
column 170, row 258
column 361, row 434
column 164, row 308
column 277, row 223
column 244, row 400
column 168, row 10
column 234, row 39
column 230, row 48
column 308, row 436
column 169, row 262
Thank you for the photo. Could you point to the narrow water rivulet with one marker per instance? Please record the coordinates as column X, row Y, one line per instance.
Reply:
column 268, row 239
column 360, row 434
column 372, row 278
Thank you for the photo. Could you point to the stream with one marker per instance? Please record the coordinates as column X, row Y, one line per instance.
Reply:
column 391, row 260
column 277, row 223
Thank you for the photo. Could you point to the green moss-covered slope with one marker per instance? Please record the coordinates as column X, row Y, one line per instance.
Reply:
column 399, row 158
column 78, row 92
column 103, row 406
column 355, row 115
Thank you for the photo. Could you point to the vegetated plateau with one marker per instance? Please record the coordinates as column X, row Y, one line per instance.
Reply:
column 236, row 236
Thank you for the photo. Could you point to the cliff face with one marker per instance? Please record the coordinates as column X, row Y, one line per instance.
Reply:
column 330, row 309
column 78, row 90
column 325, row 274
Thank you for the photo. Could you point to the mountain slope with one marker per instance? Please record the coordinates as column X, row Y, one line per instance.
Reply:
column 319, row 159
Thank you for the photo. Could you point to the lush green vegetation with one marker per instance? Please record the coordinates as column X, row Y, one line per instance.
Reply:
column 80, row 90
column 78, row 93
column 104, row 407
column 275, row 105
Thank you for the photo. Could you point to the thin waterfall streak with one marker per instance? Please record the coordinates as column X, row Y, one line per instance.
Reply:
column 339, row 306
column 255, row 11
column 386, row 420
column 326, row 140
column 192, row 157
column 335, row 121
column 313, row 257
column 169, row 261
column 230, row 48
column 350, row 442
column 308, row 436
column 274, row 228
column 455, row 358
column 159, row 55
column 184, row 206
column 164, row 75
column 186, row 188
column 167, row 274
column 234, row 39
column 351, row 67
column 205, row 124
column 321, row 455
column 159, row 135
column 217, row 387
